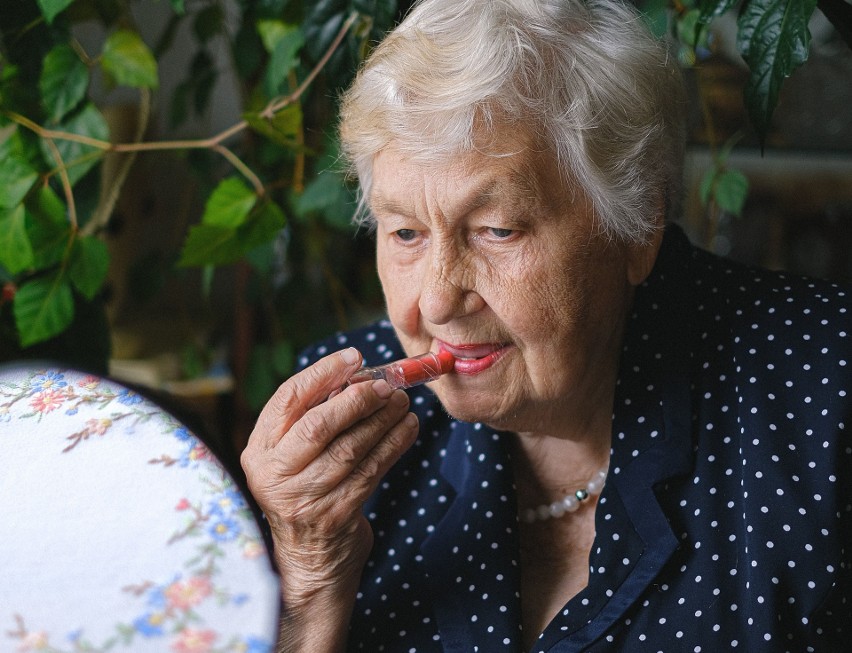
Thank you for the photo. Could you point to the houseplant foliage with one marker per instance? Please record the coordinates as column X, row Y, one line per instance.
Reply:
column 272, row 191
column 773, row 39
column 269, row 174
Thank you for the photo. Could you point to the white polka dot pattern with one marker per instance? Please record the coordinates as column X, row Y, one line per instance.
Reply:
column 725, row 520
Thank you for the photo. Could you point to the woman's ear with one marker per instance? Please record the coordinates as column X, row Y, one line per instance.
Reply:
column 641, row 257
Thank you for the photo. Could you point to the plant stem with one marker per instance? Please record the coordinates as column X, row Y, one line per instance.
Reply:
column 215, row 142
column 242, row 167
column 105, row 207
column 66, row 184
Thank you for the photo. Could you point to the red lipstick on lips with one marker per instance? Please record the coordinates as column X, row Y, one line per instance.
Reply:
column 475, row 358
column 408, row 372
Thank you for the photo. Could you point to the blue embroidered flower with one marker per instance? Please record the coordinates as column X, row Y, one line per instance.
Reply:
column 48, row 380
column 128, row 397
column 183, row 434
column 150, row 625
column 227, row 503
column 256, row 645
column 224, row 529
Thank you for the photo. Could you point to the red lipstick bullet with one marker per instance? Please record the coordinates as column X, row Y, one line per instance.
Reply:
column 408, row 372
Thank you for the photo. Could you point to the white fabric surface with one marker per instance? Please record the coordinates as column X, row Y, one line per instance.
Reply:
column 119, row 529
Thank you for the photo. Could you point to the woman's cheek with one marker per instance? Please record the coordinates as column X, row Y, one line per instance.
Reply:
column 402, row 293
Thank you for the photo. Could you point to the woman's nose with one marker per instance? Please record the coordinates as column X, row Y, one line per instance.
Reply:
column 448, row 291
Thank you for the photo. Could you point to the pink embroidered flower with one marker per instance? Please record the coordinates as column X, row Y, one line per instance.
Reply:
column 183, row 504
column 34, row 642
column 97, row 426
column 47, row 400
column 187, row 594
column 199, row 452
column 89, row 382
column 193, row 640
column 252, row 549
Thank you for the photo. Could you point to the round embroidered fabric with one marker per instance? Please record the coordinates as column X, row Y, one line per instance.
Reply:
column 120, row 529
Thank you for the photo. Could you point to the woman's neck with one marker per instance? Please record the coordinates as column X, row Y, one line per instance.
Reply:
column 547, row 467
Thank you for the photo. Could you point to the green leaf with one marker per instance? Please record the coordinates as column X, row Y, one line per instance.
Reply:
column 208, row 23
column 267, row 367
column 50, row 9
column 705, row 189
column 727, row 188
column 247, row 51
column 272, row 31
column 219, row 245
column 79, row 158
column 656, row 16
column 731, row 191
column 64, row 81
column 48, row 228
column 774, row 39
column 283, row 128
column 261, row 379
column 128, row 60
column 179, row 6
column 16, row 252
column 282, row 358
column 710, row 9
column 16, row 173
column 284, row 58
column 210, row 245
column 264, row 225
column 321, row 25
column 322, row 192
column 687, row 28
column 89, row 266
column 229, row 205
column 203, row 71
column 43, row 308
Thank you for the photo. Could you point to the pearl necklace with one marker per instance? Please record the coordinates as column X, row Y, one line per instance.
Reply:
column 569, row 503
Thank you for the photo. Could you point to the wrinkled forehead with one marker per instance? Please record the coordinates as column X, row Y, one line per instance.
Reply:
column 508, row 170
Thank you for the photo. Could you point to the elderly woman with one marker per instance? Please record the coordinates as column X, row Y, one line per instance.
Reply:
column 639, row 447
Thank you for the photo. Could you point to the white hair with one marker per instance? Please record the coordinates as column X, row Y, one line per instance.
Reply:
column 585, row 78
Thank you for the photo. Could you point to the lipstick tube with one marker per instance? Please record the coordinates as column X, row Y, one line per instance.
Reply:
column 407, row 372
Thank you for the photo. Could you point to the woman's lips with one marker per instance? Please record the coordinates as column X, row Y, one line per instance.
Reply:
column 474, row 358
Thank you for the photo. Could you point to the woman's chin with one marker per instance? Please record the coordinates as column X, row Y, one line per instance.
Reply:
column 478, row 409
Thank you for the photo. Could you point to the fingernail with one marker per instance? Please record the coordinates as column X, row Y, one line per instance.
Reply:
column 411, row 420
column 350, row 356
column 382, row 388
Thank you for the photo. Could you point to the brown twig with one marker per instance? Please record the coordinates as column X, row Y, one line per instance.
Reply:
column 215, row 142
column 104, row 210
column 66, row 183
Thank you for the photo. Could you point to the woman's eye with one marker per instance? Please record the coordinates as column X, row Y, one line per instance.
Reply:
column 501, row 233
column 405, row 235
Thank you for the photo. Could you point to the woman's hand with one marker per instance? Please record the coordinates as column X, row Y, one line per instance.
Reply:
column 313, row 459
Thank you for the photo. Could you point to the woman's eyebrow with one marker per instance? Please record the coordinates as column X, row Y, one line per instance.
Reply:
column 382, row 204
column 514, row 188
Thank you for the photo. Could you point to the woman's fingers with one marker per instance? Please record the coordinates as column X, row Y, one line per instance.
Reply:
column 309, row 437
column 301, row 392
column 334, row 487
column 371, row 469
column 352, row 442
column 305, row 444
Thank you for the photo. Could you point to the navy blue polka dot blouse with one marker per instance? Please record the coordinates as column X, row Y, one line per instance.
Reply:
column 725, row 520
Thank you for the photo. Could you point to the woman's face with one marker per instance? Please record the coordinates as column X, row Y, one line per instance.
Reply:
column 495, row 259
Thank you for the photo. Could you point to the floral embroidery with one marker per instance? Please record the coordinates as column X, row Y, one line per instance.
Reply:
column 217, row 524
